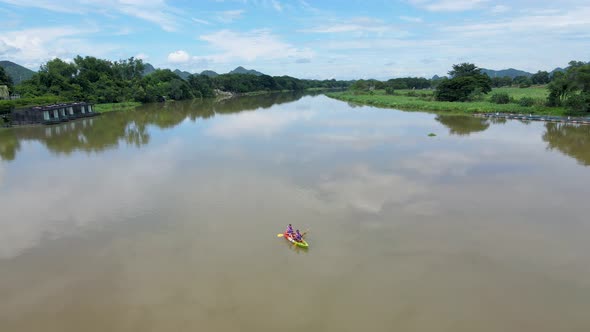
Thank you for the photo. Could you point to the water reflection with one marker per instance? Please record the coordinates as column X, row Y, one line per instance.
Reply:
column 9, row 144
column 570, row 139
column 181, row 234
column 463, row 125
column 131, row 128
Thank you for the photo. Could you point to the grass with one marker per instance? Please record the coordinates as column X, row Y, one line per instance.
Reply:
column 115, row 107
column 7, row 105
column 423, row 100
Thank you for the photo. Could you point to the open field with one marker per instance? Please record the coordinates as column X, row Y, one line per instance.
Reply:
column 423, row 100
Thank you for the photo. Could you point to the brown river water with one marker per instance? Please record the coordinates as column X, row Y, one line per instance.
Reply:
column 166, row 219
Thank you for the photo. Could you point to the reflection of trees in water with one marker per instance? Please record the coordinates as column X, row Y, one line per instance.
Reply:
column 9, row 144
column 497, row 120
column 463, row 125
column 570, row 139
column 131, row 127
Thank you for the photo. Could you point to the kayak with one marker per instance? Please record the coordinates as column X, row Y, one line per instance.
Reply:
column 301, row 244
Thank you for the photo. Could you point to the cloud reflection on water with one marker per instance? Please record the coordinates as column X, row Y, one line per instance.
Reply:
column 258, row 124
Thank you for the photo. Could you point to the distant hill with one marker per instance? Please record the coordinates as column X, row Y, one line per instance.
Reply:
column 18, row 73
column 242, row 70
column 209, row 73
column 510, row 72
column 148, row 69
column 558, row 69
column 183, row 74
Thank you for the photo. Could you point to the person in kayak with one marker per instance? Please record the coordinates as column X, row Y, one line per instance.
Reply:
column 289, row 230
column 298, row 236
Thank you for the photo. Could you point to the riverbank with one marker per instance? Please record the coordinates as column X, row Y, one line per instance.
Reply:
column 423, row 100
column 116, row 107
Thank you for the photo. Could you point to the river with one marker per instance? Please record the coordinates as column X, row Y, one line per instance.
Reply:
column 166, row 219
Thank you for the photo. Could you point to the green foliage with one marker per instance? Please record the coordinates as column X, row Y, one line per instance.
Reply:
column 571, row 88
column 18, row 73
column 102, row 81
column 541, row 77
column 8, row 105
column 522, row 81
column 389, row 90
column 526, row 101
column 464, row 70
column 424, row 101
column 409, row 83
column 498, row 82
column 112, row 107
column 578, row 102
column 500, row 98
column 467, row 83
column 5, row 79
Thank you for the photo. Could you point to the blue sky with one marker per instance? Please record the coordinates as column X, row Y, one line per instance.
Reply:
column 302, row 38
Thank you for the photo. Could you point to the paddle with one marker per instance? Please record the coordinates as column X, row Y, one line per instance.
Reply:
column 302, row 234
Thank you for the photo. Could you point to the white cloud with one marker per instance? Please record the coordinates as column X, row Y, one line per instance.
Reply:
column 179, row 56
column 249, row 46
column 229, row 16
column 31, row 47
column 198, row 20
column 155, row 11
column 411, row 19
column 358, row 24
column 448, row 5
column 500, row 9
column 277, row 5
column 564, row 22
column 142, row 56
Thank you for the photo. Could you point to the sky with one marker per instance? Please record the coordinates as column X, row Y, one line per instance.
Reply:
column 339, row 39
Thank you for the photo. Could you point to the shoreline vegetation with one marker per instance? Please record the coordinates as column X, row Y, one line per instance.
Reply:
column 116, row 107
column 424, row 101
column 469, row 91
column 123, row 85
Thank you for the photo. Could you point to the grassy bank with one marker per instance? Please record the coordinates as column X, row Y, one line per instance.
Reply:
column 7, row 105
column 115, row 107
column 423, row 100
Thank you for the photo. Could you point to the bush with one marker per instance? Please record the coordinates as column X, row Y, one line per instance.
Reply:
column 526, row 101
column 389, row 90
column 500, row 98
column 578, row 102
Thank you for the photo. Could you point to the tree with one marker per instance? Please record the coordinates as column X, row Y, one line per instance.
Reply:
column 467, row 83
column 522, row 81
column 541, row 77
column 571, row 88
column 464, row 69
column 5, row 79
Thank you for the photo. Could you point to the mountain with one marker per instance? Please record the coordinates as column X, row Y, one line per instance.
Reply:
column 18, row 73
column 510, row 72
column 242, row 70
column 209, row 73
column 558, row 69
column 183, row 74
column 148, row 69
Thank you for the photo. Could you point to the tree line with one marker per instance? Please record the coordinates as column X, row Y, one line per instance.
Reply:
column 570, row 89
column 103, row 81
column 466, row 82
